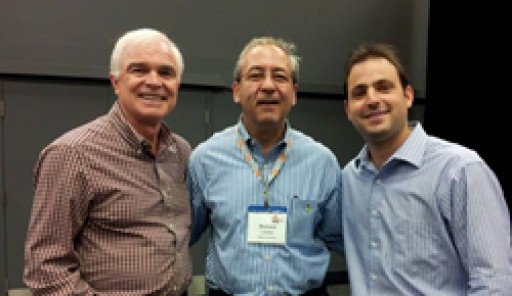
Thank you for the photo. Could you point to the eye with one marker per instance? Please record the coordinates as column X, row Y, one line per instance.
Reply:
column 384, row 86
column 280, row 77
column 255, row 76
column 167, row 72
column 137, row 70
column 358, row 92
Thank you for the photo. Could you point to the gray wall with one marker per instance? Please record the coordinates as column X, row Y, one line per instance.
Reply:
column 54, row 59
column 74, row 38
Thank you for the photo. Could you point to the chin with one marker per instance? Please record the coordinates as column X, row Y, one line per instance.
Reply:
column 268, row 121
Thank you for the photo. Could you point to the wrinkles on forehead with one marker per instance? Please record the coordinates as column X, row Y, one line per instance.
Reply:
column 264, row 58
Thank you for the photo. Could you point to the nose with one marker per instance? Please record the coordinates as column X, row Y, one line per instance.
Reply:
column 372, row 94
column 153, row 79
column 268, row 84
column 372, row 98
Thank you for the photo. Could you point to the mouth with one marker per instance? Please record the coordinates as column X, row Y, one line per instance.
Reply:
column 153, row 97
column 375, row 114
column 267, row 102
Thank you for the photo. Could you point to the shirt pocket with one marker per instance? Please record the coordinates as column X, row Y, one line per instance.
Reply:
column 302, row 219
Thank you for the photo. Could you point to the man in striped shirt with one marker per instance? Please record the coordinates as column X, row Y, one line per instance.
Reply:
column 269, row 193
column 421, row 216
column 111, row 214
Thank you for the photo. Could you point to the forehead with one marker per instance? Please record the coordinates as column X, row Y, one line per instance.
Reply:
column 151, row 52
column 266, row 56
column 371, row 70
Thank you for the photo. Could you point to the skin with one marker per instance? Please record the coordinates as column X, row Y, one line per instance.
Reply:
column 378, row 107
column 266, row 93
column 147, row 88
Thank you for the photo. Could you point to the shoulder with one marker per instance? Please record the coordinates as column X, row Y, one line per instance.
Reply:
column 450, row 151
column 308, row 150
column 455, row 162
column 84, row 133
column 223, row 139
column 304, row 143
column 214, row 152
column 67, row 149
column 182, row 144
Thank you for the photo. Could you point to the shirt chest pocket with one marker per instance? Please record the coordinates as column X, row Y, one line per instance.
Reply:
column 302, row 219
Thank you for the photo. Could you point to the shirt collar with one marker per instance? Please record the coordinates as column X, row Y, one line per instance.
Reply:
column 132, row 137
column 250, row 141
column 411, row 151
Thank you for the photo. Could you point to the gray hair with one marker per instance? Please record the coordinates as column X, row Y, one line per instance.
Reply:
column 287, row 47
column 143, row 36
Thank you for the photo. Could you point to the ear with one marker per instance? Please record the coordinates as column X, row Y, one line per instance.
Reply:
column 409, row 95
column 346, row 107
column 236, row 96
column 296, row 89
column 114, row 82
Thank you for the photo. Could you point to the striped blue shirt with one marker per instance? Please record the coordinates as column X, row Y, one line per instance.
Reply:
column 223, row 185
column 432, row 221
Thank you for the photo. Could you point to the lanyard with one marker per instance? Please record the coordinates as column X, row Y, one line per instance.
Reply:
column 257, row 172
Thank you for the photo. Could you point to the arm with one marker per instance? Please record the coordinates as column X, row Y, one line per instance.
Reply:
column 200, row 215
column 481, row 225
column 330, row 227
column 58, row 214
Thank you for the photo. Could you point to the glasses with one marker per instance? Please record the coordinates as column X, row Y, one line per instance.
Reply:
column 278, row 76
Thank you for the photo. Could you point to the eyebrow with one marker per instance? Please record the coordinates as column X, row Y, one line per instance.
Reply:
column 169, row 67
column 383, row 81
column 262, row 68
column 135, row 65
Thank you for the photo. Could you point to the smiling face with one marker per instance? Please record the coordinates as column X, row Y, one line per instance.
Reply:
column 147, row 84
column 266, row 90
column 377, row 104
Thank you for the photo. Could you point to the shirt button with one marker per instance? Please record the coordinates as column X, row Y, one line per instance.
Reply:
column 270, row 288
column 267, row 257
column 373, row 276
column 375, row 213
column 378, row 181
column 375, row 244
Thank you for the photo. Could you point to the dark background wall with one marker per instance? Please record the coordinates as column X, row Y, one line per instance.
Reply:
column 468, row 82
column 74, row 38
column 54, row 58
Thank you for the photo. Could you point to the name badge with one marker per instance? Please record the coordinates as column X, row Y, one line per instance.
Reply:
column 266, row 226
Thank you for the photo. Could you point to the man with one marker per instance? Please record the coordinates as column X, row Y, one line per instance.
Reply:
column 421, row 216
column 270, row 194
column 111, row 213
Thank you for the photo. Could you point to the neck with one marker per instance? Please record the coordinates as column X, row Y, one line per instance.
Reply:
column 150, row 133
column 267, row 137
column 149, row 129
column 381, row 151
column 153, row 140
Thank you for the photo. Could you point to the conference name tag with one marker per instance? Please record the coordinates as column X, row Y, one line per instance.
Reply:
column 266, row 225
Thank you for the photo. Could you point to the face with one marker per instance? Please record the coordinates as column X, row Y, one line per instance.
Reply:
column 147, row 85
column 377, row 105
column 266, row 91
